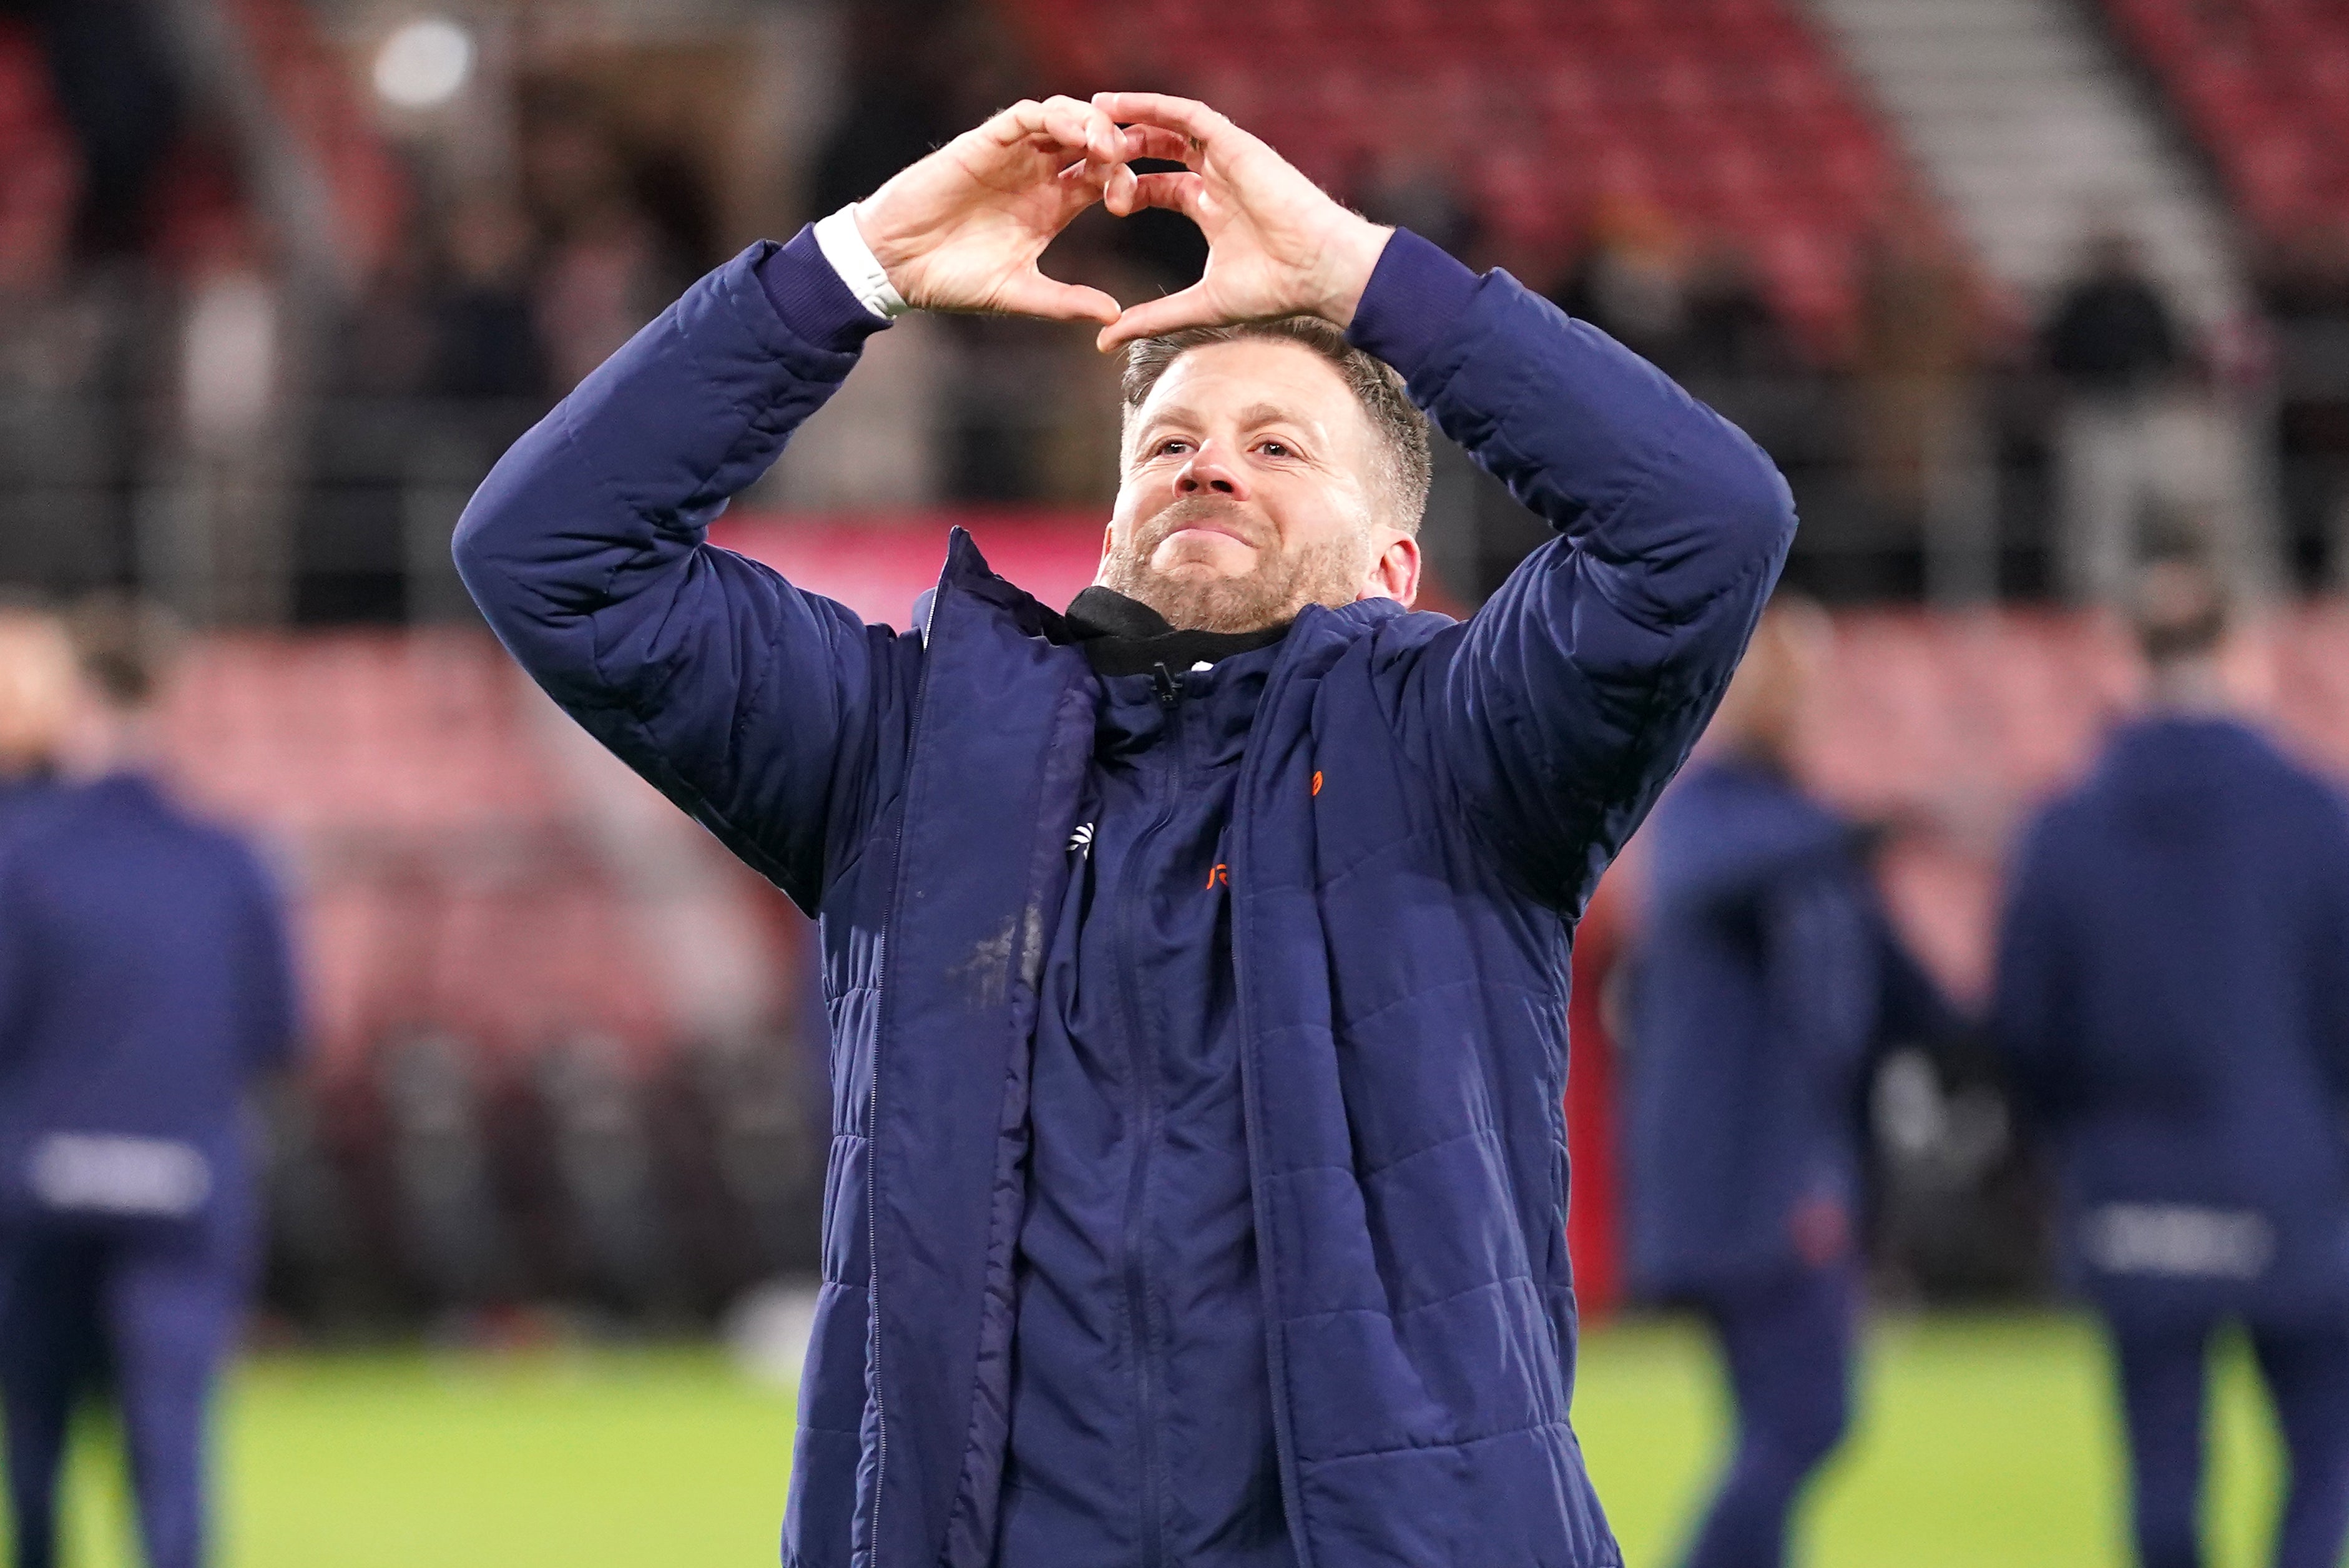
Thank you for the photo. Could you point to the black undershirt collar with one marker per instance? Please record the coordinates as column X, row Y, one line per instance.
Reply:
column 1123, row 637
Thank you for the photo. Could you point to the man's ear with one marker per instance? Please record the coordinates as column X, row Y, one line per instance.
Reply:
column 1395, row 574
column 1109, row 537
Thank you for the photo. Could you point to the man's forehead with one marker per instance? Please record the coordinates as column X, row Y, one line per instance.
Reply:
column 1250, row 379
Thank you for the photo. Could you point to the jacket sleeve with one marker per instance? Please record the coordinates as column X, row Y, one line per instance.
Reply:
column 2328, row 985
column 748, row 702
column 20, row 965
column 1562, row 707
column 2034, row 1011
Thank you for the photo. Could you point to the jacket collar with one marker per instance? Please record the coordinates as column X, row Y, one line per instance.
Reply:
column 1125, row 636
column 966, row 572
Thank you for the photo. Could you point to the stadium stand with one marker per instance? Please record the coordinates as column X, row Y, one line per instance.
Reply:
column 506, row 1100
column 39, row 174
column 503, row 1105
column 1729, row 115
column 1958, row 724
column 2263, row 85
column 444, row 887
column 309, row 86
column 440, row 881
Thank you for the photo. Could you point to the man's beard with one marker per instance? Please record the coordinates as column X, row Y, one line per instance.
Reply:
column 1328, row 572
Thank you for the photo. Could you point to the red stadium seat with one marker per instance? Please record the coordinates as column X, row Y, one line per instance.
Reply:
column 438, row 880
column 39, row 172
column 2264, row 85
column 1707, row 108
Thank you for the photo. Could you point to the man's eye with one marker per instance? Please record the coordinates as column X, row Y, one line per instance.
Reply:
column 1274, row 448
column 1173, row 443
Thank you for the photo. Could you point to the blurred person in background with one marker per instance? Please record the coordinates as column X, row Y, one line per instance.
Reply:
column 486, row 345
column 143, row 990
column 1415, row 191
column 1198, row 1183
column 1736, row 353
column 1917, row 392
column 118, row 71
column 620, row 229
column 1768, row 979
column 1731, row 332
column 2173, row 1003
column 904, row 76
column 2306, row 287
column 1631, row 280
column 2113, row 347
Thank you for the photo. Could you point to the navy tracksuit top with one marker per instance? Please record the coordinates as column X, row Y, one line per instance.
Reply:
column 143, row 984
column 2173, row 1000
column 1767, row 975
column 1141, row 1415
column 20, row 798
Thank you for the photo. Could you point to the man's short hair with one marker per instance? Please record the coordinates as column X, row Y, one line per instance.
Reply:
column 1397, row 425
column 126, row 648
column 2179, row 609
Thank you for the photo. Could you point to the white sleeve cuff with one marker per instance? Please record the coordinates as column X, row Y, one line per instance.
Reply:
column 854, row 260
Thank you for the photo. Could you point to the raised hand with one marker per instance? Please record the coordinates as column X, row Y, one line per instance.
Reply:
column 1277, row 244
column 961, row 229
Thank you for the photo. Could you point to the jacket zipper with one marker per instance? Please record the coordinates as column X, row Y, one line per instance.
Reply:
column 873, row 1106
column 1144, row 1058
column 872, row 1230
column 1276, row 1356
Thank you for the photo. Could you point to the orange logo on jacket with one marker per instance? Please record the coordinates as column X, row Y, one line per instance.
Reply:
column 1219, row 876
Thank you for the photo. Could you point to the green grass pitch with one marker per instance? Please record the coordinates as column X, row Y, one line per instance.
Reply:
column 1982, row 1440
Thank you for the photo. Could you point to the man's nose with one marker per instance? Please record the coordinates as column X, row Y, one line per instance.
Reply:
column 1208, row 474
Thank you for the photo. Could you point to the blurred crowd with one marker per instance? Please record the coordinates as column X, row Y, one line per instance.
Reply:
column 276, row 288
column 268, row 320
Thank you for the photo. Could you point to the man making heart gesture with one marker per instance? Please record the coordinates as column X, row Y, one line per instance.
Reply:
column 1196, row 955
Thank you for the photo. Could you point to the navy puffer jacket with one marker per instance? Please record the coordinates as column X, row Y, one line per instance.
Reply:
column 1424, row 807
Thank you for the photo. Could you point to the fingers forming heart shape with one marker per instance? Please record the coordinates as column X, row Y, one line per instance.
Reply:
column 964, row 228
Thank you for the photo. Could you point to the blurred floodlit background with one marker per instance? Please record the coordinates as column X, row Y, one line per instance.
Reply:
column 1998, row 282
